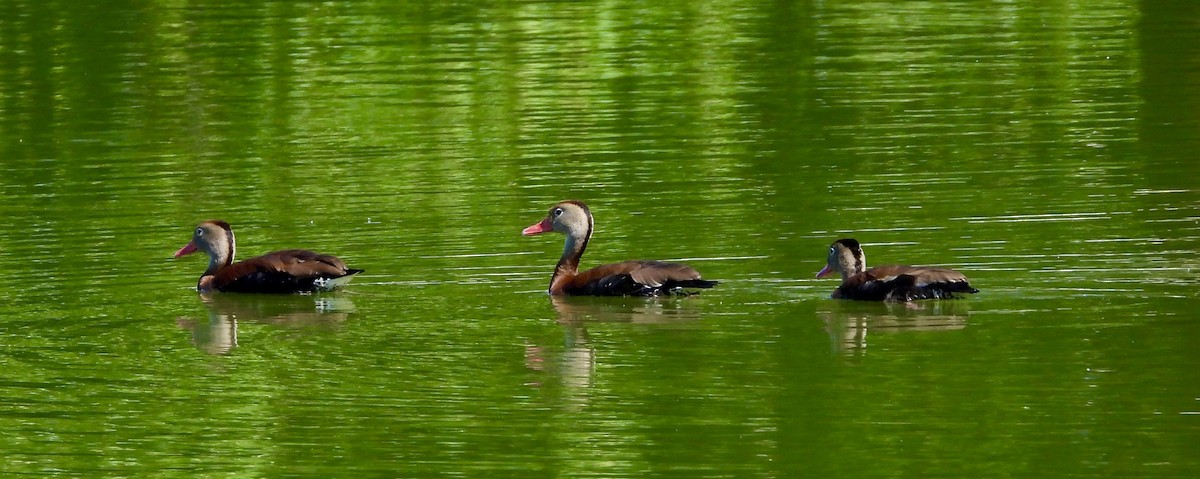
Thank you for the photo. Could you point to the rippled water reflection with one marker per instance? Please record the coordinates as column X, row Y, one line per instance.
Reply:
column 1044, row 149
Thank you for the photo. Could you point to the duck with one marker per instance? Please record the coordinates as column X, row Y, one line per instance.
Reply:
column 280, row 272
column 628, row 278
column 890, row 282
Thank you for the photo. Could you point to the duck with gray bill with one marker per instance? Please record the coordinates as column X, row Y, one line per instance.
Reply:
column 890, row 282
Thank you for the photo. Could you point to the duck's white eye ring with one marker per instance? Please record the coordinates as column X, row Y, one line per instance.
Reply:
column 558, row 212
column 199, row 231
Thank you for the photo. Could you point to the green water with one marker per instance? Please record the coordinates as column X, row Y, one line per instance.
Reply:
column 1047, row 149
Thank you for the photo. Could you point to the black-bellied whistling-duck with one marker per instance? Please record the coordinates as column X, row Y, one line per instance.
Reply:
column 891, row 282
column 629, row 278
column 280, row 272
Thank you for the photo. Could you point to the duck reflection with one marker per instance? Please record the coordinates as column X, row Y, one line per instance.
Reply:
column 629, row 309
column 847, row 323
column 219, row 334
column 575, row 366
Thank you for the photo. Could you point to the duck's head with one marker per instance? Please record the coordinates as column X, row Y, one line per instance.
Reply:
column 215, row 238
column 570, row 217
column 845, row 257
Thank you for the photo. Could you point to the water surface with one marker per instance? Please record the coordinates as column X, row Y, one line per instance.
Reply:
column 1044, row 148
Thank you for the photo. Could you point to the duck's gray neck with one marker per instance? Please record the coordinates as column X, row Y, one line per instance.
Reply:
column 220, row 254
column 573, row 249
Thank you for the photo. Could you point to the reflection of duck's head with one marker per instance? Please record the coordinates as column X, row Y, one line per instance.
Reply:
column 218, row 335
column 848, row 322
column 281, row 310
column 632, row 309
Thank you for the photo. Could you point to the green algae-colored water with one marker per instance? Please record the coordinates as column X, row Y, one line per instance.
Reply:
column 1047, row 149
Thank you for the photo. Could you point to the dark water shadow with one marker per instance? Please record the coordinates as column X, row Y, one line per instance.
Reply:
column 219, row 334
column 848, row 322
